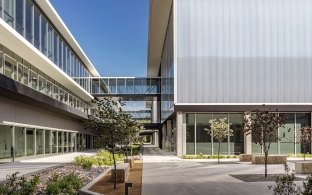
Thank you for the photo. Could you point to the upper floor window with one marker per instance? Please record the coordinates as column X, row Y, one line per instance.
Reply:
column 19, row 13
column 29, row 21
column 37, row 28
column 8, row 12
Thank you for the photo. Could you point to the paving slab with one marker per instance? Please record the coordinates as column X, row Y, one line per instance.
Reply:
column 164, row 173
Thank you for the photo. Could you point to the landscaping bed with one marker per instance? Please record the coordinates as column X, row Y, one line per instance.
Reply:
column 105, row 186
column 260, row 177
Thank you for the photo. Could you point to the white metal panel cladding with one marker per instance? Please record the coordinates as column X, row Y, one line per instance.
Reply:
column 244, row 51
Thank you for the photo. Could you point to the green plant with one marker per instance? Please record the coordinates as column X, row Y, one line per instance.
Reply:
column 307, row 186
column 285, row 183
column 219, row 130
column 69, row 184
column 19, row 186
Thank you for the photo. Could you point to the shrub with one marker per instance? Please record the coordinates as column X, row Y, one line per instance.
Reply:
column 307, row 186
column 102, row 158
column 19, row 186
column 69, row 184
column 285, row 183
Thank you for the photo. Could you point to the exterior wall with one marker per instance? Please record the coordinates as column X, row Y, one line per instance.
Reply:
column 243, row 51
column 17, row 112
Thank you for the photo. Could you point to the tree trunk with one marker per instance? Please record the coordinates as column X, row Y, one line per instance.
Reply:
column 219, row 154
column 304, row 152
column 115, row 175
column 266, row 163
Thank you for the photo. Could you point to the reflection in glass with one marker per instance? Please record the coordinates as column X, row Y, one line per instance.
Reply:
column 19, row 142
column 5, row 142
column 30, row 142
column 190, row 133
column 203, row 138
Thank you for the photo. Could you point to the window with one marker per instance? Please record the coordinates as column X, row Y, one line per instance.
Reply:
column 60, row 45
column 43, row 35
column 67, row 70
column 29, row 22
column 37, row 28
column 8, row 12
column 19, row 12
column 0, row 8
column 56, row 59
column 64, row 57
column 50, row 43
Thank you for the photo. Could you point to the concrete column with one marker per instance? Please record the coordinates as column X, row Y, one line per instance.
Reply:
column 25, row 142
column 164, row 136
column 247, row 138
column 35, row 141
column 43, row 142
column 156, row 139
column 57, row 142
column 181, row 135
column 155, row 111
column 13, row 143
column 169, row 135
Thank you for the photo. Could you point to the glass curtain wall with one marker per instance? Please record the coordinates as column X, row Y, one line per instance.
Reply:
column 290, row 143
column 5, row 143
column 30, row 142
column 32, row 24
column 19, row 141
column 198, row 140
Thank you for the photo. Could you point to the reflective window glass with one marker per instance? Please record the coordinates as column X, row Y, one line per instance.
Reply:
column 8, row 12
column 48, row 143
column 19, row 142
column 60, row 46
column 0, row 8
column 37, row 28
column 29, row 21
column 30, row 142
column 19, row 14
column 190, row 133
column 39, row 141
column 44, row 35
column 50, row 43
column 5, row 142
column 203, row 138
column 64, row 57
column 56, row 59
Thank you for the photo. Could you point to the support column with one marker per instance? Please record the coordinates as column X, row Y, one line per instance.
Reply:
column 247, row 138
column 13, row 143
column 180, row 135
column 35, row 141
column 43, row 143
column 169, row 135
column 25, row 142
column 57, row 142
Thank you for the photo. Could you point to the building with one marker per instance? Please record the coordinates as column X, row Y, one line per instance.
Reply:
column 220, row 58
column 41, row 105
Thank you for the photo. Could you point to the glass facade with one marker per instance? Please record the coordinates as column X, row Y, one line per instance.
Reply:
column 27, row 19
column 20, row 70
column 167, row 73
column 20, row 143
column 199, row 141
column 290, row 143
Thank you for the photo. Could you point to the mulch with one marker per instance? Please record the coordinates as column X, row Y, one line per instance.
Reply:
column 260, row 177
column 105, row 186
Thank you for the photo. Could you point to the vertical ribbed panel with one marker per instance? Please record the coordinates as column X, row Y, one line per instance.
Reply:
column 244, row 51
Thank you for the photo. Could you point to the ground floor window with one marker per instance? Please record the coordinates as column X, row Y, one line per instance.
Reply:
column 199, row 141
column 290, row 143
column 17, row 143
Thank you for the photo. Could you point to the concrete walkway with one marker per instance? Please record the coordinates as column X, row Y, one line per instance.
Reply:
column 164, row 173
column 34, row 165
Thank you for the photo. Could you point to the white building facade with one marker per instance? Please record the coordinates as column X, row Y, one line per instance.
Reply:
column 41, row 105
column 220, row 58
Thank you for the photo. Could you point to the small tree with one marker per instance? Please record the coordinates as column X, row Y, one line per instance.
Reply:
column 305, row 138
column 109, row 124
column 263, row 125
column 219, row 130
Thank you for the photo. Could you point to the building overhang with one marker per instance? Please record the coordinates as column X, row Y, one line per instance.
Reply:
column 19, row 45
column 50, row 12
column 159, row 13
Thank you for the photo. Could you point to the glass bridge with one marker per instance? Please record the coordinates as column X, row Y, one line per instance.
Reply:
column 140, row 94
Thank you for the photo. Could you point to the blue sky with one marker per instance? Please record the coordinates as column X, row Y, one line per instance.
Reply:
column 112, row 33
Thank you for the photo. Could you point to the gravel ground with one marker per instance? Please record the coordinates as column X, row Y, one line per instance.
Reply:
column 86, row 175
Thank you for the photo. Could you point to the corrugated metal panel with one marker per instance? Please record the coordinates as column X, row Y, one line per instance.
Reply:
column 244, row 51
